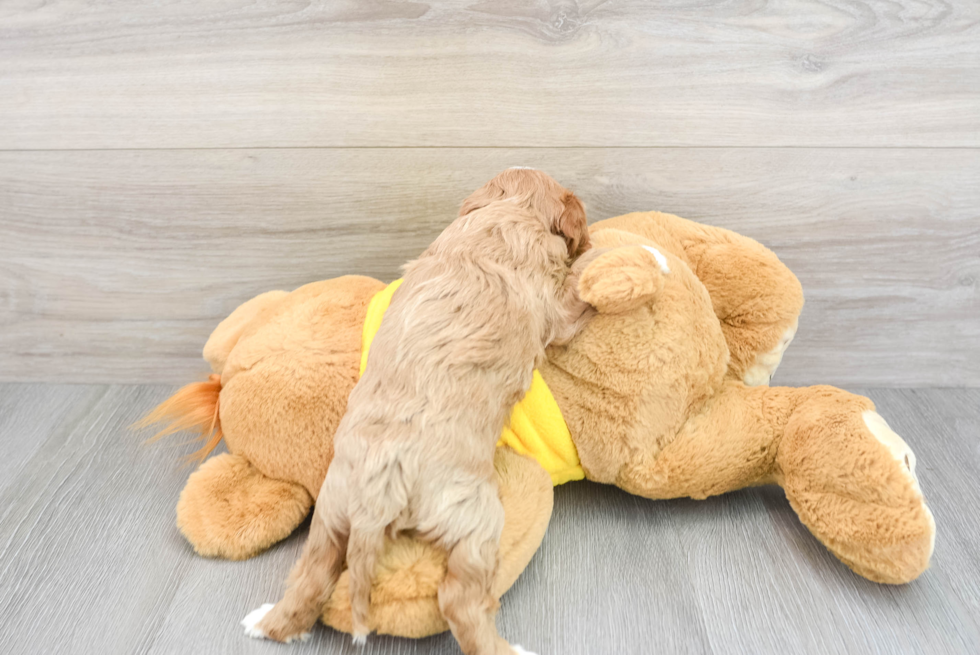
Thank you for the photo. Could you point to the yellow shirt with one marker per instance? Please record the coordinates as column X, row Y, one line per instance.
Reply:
column 536, row 427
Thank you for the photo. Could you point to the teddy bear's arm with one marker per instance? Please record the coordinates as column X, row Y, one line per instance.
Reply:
column 616, row 280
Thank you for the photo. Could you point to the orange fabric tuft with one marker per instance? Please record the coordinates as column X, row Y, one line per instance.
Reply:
column 194, row 407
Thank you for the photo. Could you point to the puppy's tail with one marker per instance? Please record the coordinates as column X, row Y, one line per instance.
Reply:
column 193, row 407
column 362, row 554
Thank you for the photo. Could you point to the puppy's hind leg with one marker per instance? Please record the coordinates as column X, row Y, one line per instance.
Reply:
column 313, row 578
column 365, row 544
column 465, row 597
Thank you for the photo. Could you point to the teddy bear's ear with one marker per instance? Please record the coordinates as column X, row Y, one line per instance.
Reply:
column 622, row 279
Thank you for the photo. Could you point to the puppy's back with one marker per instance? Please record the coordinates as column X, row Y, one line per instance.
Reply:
column 467, row 323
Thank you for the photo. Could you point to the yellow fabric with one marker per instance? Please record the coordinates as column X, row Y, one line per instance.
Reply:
column 536, row 427
column 376, row 310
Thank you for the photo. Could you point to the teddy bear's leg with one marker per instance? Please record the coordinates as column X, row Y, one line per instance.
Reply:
column 852, row 482
column 229, row 509
column 729, row 444
column 848, row 476
column 756, row 298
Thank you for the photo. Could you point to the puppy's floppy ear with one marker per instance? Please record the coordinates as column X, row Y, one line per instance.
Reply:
column 572, row 224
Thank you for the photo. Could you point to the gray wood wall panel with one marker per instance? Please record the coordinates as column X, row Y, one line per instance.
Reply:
column 477, row 73
column 91, row 562
column 116, row 265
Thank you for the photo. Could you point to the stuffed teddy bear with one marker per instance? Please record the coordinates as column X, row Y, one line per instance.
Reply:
column 662, row 394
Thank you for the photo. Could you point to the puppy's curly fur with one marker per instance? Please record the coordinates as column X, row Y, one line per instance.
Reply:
column 415, row 449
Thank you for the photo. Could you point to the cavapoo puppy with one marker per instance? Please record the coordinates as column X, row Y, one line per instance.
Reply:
column 415, row 450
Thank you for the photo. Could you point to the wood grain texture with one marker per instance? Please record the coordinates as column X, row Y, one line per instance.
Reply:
column 115, row 266
column 32, row 414
column 94, row 74
column 90, row 560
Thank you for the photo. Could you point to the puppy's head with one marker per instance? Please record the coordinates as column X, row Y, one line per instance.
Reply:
column 561, row 210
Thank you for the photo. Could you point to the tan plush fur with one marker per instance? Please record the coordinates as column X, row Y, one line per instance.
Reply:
column 415, row 448
column 755, row 297
column 236, row 484
column 651, row 389
column 665, row 418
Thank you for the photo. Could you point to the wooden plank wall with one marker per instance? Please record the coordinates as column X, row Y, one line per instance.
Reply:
column 161, row 163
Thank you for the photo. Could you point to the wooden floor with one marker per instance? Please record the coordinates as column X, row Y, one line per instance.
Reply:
column 90, row 560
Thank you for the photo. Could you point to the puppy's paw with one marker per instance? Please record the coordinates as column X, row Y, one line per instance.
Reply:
column 252, row 629
column 520, row 650
column 251, row 620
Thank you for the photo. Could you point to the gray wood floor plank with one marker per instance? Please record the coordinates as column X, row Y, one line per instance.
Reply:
column 90, row 560
column 88, row 553
column 93, row 74
column 921, row 617
column 117, row 265
column 229, row 590
column 30, row 414
column 746, row 580
column 610, row 577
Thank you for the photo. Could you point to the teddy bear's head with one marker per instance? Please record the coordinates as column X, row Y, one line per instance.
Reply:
column 653, row 354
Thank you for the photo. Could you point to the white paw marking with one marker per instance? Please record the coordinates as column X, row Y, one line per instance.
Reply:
column 520, row 651
column 359, row 639
column 251, row 620
column 659, row 257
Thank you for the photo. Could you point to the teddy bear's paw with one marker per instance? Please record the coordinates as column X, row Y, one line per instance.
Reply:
column 251, row 621
column 766, row 364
